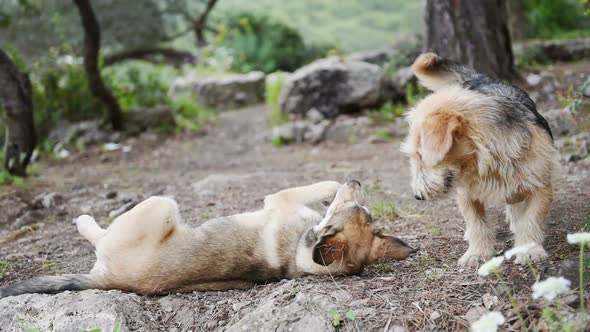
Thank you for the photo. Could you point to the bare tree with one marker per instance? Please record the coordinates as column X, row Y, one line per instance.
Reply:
column 91, row 53
column 471, row 32
column 16, row 101
column 196, row 20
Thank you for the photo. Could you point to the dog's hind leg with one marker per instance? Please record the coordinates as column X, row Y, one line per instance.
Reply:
column 303, row 195
column 478, row 232
column 527, row 219
column 89, row 229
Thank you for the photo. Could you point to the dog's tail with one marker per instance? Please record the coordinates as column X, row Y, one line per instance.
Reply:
column 435, row 72
column 50, row 284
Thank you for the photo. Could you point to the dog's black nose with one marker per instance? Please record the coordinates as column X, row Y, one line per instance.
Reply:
column 355, row 182
column 419, row 197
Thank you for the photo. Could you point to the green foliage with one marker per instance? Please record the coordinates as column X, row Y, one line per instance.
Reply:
column 6, row 179
column 261, row 43
column 553, row 18
column 388, row 112
column 280, row 141
column 272, row 92
column 62, row 91
column 138, row 85
column 117, row 328
column 350, row 24
column 190, row 115
column 556, row 321
column 4, row 266
column 339, row 318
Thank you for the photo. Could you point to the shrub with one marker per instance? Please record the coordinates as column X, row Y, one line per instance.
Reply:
column 261, row 43
column 552, row 18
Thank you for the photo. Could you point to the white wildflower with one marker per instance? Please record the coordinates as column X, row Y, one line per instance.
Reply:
column 520, row 250
column 111, row 146
column 488, row 322
column 490, row 266
column 550, row 288
column 578, row 238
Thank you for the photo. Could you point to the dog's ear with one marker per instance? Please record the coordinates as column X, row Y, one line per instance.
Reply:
column 437, row 135
column 385, row 246
column 329, row 248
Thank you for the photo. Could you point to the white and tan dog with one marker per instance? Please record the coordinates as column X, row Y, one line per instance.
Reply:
column 149, row 250
column 485, row 139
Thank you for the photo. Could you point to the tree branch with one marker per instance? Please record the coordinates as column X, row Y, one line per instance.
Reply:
column 150, row 54
column 91, row 51
column 201, row 23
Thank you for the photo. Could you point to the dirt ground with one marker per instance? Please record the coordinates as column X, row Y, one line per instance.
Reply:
column 426, row 292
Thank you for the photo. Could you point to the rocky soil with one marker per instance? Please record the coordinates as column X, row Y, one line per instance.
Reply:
column 228, row 170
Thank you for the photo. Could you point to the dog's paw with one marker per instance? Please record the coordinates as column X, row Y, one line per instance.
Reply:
column 84, row 221
column 535, row 254
column 473, row 259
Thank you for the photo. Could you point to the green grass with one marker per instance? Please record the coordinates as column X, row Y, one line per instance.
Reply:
column 272, row 92
column 384, row 134
column 280, row 141
column 4, row 267
column 117, row 328
column 384, row 210
column 189, row 114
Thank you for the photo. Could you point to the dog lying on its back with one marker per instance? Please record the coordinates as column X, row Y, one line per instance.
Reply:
column 149, row 250
column 486, row 139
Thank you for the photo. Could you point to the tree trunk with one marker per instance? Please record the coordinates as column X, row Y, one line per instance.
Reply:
column 471, row 32
column 91, row 51
column 518, row 22
column 17, row 101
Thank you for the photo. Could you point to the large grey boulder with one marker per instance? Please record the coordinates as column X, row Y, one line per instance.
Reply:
column 333, row 86
column 223, row 92
column 73, row 311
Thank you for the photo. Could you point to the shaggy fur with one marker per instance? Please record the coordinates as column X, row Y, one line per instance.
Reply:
column 149, row 250
column 486, row 141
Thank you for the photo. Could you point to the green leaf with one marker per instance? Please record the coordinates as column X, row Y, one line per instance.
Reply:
column 117, row 327
column 350, row 315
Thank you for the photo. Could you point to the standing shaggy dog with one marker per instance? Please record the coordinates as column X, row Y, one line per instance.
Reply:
column 485, row 139
column 149, row 250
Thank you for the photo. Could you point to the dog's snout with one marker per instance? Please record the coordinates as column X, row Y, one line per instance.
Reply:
column 354, row 183
column 419, row 197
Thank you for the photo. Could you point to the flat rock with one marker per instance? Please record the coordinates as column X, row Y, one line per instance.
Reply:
column 224, row 92
column 289, row 309
column 72, row 311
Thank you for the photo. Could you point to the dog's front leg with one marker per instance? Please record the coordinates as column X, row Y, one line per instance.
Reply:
column 303, row 195
column 526, row 223
column 478, row 232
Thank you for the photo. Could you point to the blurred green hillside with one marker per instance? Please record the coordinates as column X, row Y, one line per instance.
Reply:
column 349, row 24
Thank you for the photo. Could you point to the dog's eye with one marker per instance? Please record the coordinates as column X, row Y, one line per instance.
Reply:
column 325, row 203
